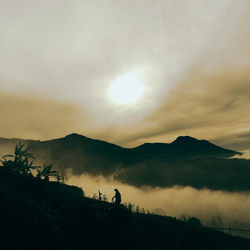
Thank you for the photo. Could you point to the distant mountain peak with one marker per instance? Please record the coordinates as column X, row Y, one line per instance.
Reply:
column 73, row 135
column 184, row 139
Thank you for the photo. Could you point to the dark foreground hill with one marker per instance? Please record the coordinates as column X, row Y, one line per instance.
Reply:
column 47, row 215
column 186, row 161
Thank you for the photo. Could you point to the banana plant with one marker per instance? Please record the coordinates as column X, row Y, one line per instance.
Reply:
column 46, row 172
column 21, row 162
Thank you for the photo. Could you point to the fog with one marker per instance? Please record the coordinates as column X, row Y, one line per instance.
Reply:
column 213, row 208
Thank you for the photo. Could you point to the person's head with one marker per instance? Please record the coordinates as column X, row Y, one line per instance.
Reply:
column 116, row 190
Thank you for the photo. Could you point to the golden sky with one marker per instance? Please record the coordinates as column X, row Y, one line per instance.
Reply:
column 58, row 60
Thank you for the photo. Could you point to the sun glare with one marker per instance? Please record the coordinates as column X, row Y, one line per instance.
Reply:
column 126, row 89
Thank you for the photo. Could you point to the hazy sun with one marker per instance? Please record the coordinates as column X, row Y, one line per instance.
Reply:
column 126, row 89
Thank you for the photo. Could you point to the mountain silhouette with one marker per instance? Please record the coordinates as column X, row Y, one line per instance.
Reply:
column 185, row 147
column 79, row 151
column 185, row 161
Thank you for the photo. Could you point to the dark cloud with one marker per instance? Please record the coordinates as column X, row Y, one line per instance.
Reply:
column 215, row 174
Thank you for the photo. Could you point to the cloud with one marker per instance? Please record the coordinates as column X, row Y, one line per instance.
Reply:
column 211, row 107
column 72, row 51
column 214, row 208
column 206, row 105
column 38, row 118
column 213, row 173
column 208, row 99
column 194, row 55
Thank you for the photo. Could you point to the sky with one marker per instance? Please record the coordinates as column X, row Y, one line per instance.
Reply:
column 59, row 60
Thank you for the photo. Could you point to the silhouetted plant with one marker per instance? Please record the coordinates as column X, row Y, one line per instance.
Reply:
column 192, row 221
column 62, row 177
column 137, row 209
column 21, row 162
column 99, row 195
column 94, row 196
column 46, row 172
column 129, row 206
column 104, row 198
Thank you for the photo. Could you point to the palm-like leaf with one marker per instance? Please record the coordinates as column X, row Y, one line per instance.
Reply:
column 21, row 162
column 5, row 156
column 46, row 172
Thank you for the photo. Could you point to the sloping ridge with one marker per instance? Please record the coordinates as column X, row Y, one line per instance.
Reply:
column 48, row 215
column 185, row 146
column 77, row 145
column 186, row 161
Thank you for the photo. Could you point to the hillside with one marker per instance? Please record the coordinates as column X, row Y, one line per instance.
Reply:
column 186, row 161
column 40, row 215
column 182, row 147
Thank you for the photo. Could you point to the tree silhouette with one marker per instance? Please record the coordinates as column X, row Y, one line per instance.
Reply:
column 21, row 162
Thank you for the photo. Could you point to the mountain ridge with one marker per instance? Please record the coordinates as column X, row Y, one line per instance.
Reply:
column 186, row 161
column 180, row 141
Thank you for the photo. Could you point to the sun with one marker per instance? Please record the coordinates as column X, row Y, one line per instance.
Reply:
column 126, row 89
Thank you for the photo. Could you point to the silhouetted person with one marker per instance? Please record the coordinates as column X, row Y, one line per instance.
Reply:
column 117, row 197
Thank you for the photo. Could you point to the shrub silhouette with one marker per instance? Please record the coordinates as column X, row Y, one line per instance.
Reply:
column 21, row 162
column 101, row 196
column 47, row 172
column 129, row 206
column 192, row 221
column 62, row 177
